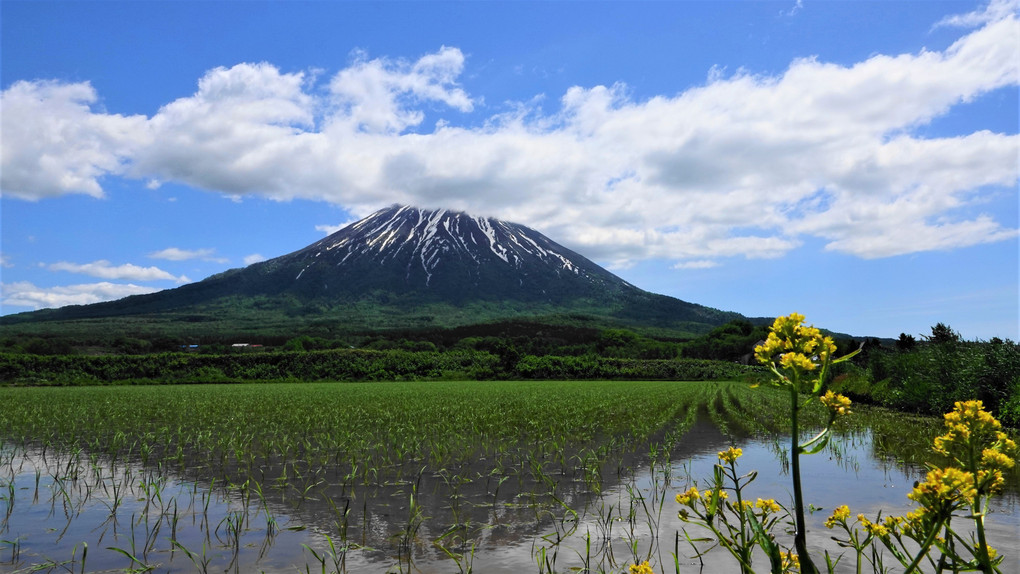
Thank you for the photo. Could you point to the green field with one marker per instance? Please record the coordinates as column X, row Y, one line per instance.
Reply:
column 395, row 475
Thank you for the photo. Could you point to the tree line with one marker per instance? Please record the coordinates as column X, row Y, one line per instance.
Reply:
column 345, row 365
column 923, row 375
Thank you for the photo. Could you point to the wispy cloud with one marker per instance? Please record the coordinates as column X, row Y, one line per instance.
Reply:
column 331, row 229
column 25, row 294
column 745, row 165
column 696, row 264
column 991, row 12
column 105, row 270
column 177, row 254
column 253, row 258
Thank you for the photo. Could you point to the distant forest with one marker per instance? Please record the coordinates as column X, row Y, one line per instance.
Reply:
column 925, row 375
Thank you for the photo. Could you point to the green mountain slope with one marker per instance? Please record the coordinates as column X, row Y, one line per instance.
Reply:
column 401, row 267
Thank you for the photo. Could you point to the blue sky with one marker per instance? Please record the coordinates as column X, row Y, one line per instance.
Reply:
column 853, row 161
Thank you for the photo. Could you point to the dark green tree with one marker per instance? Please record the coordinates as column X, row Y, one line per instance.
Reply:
column 906, row 342
column 942, row 333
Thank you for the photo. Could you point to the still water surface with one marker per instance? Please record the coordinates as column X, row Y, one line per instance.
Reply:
column 58, row 515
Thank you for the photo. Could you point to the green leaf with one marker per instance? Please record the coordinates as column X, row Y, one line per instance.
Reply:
column 764, row 540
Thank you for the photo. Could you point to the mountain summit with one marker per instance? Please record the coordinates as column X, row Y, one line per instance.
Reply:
column 409, row 267
column 443, row 255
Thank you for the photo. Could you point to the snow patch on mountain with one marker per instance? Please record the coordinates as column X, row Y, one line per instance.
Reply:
column 425, row 242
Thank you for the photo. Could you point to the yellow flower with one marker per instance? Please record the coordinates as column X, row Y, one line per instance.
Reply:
column 643, row 568
column 688, row 498
column 839, row 515
column 943, row 487
column 730, row 455
column 828, row 348
column 836, row 403
column 1005, row 444
column 879, row 530
column 710, row 494
column 768, row 505
column 796, row 360
column 892, row 522
column 801, row 347
column 793, row 320
column 991, row 458
column 990, row 481
column 765, row 352
column 916, row 522
column 790, row 562
column 970, row 429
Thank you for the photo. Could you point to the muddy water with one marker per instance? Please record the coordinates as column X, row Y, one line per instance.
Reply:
column 53, row 506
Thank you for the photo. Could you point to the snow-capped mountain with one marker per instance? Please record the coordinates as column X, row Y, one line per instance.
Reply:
column 444, row 254
column 411, row 267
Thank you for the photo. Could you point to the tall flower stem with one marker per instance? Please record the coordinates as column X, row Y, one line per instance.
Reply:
column 800, row 537
column 799, row 356
column 978, row 508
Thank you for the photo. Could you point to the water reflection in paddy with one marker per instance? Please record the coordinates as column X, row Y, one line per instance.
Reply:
column 424, row 521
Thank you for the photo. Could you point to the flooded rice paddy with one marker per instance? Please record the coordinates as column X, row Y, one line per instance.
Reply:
column 416, row 477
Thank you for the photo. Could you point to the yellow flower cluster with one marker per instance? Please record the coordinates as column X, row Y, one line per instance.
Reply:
column 797, row 344
column 969, row 423
column 790, row 562
column 836, row 403
column 915, row 523
column 796, row 361
column 688, row 498
column 768, row 505
column 730, row 455
column 643, row 568
column 874, row 528
column 970, row 428
column 710, row 494
column 839, row 515
column 943, row 487
column 992, row 458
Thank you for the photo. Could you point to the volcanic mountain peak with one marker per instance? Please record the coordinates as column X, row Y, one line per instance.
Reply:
column 426, row 243
column 408, row 266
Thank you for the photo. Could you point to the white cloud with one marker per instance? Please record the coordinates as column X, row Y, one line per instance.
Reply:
column 105, row 270
column 744, row 165
column 234, row 135
column 25, row 294
column 253, row 258
column 54, row 143
column 177, row 254
column 991, row 12
column 5, row 261
column 696, row 264
column 797, row 7
column 331, row 229
column 374, row 95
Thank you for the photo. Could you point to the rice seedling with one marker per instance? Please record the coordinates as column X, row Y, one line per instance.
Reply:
column 221, row 474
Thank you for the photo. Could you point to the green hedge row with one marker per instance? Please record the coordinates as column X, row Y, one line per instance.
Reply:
column 342, row 365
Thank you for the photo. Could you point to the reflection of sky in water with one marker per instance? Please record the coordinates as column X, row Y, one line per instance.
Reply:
column 55, row 520
column 51, row 526
column 854, row 477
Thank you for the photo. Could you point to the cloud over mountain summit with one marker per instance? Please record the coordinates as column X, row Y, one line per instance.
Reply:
column 744, row 165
